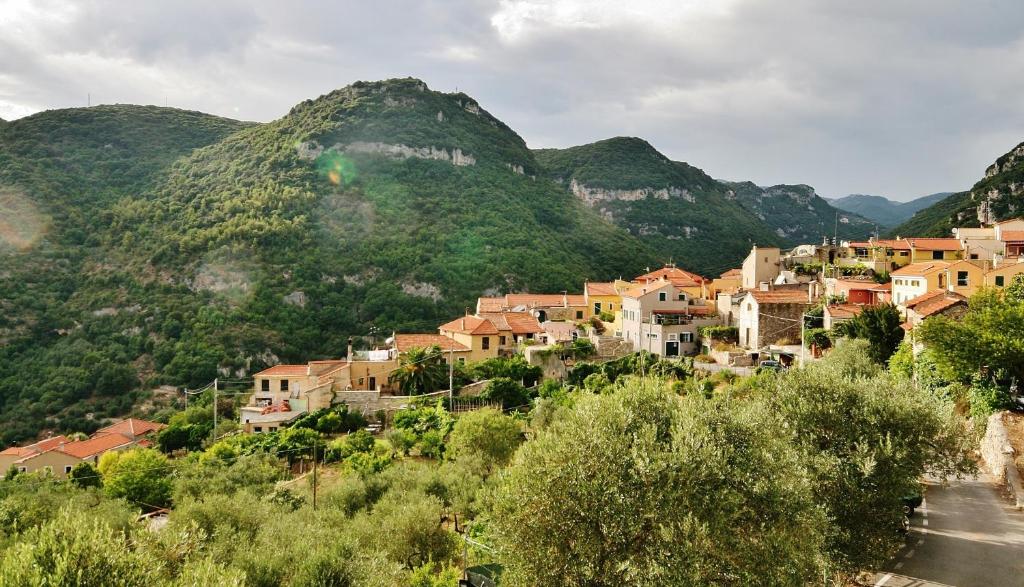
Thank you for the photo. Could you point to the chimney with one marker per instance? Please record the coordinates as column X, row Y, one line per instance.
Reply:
column 810, row 292
column 348, row 354
column 763, row 286
column 463, row 324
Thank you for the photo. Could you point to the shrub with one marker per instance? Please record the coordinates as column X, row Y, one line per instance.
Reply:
column 510, row 393
column 140, row 475
column 986, row 398
column 487, row 435
column 401, row 440
column 431, row 444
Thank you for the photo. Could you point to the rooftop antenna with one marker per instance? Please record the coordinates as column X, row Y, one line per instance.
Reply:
column 88, row 100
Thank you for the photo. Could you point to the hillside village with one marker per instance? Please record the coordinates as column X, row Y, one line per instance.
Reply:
column 762, row 309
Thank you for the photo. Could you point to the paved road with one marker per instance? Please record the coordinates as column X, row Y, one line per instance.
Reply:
column 964, row 535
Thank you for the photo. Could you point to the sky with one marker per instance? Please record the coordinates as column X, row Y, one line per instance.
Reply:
column 900, row 98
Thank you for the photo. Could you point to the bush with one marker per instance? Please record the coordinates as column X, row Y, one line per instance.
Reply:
column 986, row 398
column 140, row 475
column 486, row 435
column 401, row 440
column 729, row 334
column 431, row 444
column 85, row 475
column 509, row 392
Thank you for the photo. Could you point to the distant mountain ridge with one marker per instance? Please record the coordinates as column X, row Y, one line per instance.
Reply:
column 999, row 195
column 887, row 213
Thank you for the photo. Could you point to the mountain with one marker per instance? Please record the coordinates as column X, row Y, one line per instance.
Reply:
column 146, row 246
column 798, row 214
column 674, row 207
column 678, row 208
column 885, row 212
column 997, row 196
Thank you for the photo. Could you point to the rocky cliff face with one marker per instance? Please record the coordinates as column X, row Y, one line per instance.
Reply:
column 593, row 196
column 797, row 214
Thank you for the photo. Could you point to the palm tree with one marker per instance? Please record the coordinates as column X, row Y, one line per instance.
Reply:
column 420, row 370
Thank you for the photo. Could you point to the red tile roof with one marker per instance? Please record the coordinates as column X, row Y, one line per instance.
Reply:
column 516, row 322
column 284, row 371
column 544, row 300
column 935, row 244
column 36, row 448
column 732, row 273
column 600, row 289
column 641, row 290
column 132, row 427
column 895, row 244
column 490, row 304
column 671, row 273
column 97, row 444
column 470, row 325
column 1013, row 235
column 923, row 268
column 404, row 342
column 934, row 302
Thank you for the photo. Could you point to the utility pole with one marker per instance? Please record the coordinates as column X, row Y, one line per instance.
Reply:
column 803, row 324
column 215, row 409
column 186, row 399
column 451, row 376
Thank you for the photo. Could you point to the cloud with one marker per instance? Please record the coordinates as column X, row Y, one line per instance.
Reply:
column 896, row 98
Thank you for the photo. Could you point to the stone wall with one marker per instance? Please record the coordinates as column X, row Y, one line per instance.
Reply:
column 370, row 402
column 997, row 456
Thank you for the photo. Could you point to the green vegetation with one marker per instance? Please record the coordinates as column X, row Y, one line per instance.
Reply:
column 880, row 326
column 798, row 214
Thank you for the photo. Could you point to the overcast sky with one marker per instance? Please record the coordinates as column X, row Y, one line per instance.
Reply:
column 893, row 97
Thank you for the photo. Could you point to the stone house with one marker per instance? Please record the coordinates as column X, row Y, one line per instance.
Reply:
column 775, row 316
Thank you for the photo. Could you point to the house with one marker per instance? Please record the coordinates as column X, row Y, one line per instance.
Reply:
column 774, row 316
column 477, row 334
column 857, row 291
column 979, row 244
column 544, row 307
column 92, row 448
column 695, row 286
column 879, row 255
column 933, row 303
column 917, row 279
column 837, row 313
column 934, row 249
column 1003, row 275
column 762, row 265
column 140, row 431
column 661, row 318
column 730, row 281
column 403, row 343
column 513, row 328
column 606, row 297
column 40, row 456
column 559, row 332
column 257, row 419
column 966, row 276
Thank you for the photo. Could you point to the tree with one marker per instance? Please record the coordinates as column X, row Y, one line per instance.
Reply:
column 866, row 440
column 881, row 327
column 421, row 370
column 85, row 475
column 509, row 392
column 990, row 334
column 140, row 475
column 643, row 487
column 487, row 435
column 1015, row 291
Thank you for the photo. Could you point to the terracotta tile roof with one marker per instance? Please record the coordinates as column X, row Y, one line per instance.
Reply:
column 1013, row 235
column 544, row 300
column 671, row 273
column 923, row 268
column 887, row 286
column 934, row 302
column 470, row 325
column 1009, row 220
column 516, row 322
column 559, row 331
column 490, row 304
column 732, row 273
column 783, row 296
column 600, row 289
column 98, row 443
column 844, row 310
column 895, row 244
column 284, row 371
column 404, row 342
column 132, row 427
column 324, row 367
column 935, row 244
column 36, row 448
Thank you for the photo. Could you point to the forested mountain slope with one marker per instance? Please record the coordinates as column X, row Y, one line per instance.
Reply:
column 884, row 211
column 997, row 196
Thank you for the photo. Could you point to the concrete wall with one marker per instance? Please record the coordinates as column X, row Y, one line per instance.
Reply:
column 997, row 455
column 369, row 402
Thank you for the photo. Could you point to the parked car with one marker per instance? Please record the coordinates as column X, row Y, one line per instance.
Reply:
column 769, row 365
column 911, row 502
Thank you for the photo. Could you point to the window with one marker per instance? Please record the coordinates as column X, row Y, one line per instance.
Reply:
column 974, row 255
column 750, row 307
column 67, row 469
column 486, row 343
column 687, row 337
column 681, row 297
column 529, row 336
column 502, row 340
column 611, row 307
column 579, row 314
column 904, row 253
column 597, row 307
column 272, row 429
column 662, row 296
column 961, row 278
column 999, row 281
column 361, row 380
column 265, row 385
column 462, row 360
column 284, row 385
column 23, row 469
column 937, row 255
column 257, row 428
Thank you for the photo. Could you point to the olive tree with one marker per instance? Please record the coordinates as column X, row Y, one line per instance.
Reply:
column 486, row 434
column 642, row 487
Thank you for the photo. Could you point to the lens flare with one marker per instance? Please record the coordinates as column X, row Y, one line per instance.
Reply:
column 21, row 222
column 336, row 167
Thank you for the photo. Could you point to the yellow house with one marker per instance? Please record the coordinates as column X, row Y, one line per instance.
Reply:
column 729, row 282
column 513, row 328
column 934, row 249
column 480, row 336
column 1003, row 275
column 43, row 455
column 695, row 286
column 966, row 276
column 880, row 255
column 917, row 279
